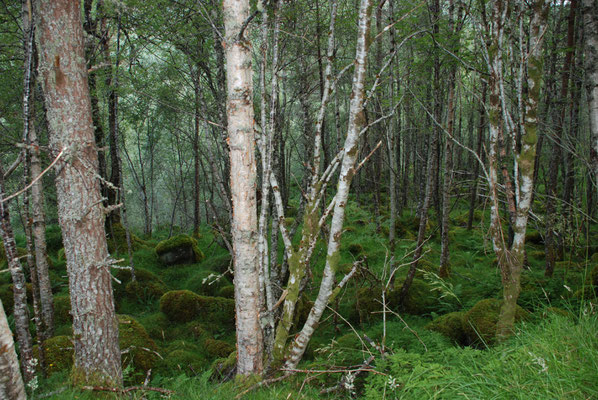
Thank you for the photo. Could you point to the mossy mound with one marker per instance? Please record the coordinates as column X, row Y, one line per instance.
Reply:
column 177, row 361
column 220, row 264
column 156, row 325
column 180, row 249
column 218, row 348
column 451, row 326
column 224, row 368
column 138, row 349
column 228, row 292
column 479, row 323
column 146, row 287
column 117, row 239
column 184, row 306
column 207, row 283
column 62, row 310
column 7, row 298
column 593, row 276
column 59, row 353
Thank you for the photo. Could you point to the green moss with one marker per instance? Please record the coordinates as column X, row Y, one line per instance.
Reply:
column 180, row 305
column 218, row 348
column 7, row 298
column 227, row 292
column 147, row 285
column 189, row 362
column 207, row 283
column 355, row 249
column 534, row 237
column 479, row 323
column 60, row 255
column 138, row 349
column 184, row 306
column 59, row 354
column 179, row 249
column 451, row 326
column 593, row 276
column 117, row 239
column 224, row 368
column 62, row 310
column 219, row 264
column 156, row 325
column 302, row 309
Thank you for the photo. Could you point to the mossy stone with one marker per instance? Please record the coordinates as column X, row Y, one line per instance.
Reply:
column 59, row 352
column 180, row 249
column 146, row 286
column 189, row 362
column 218, row 348
column 451, row 326
column 138, row 349
column 228, row 292
column 221, row 264
column 180, row 305
column 117, row 239
column 224, row 368
column 156, row 325
column 479, row 323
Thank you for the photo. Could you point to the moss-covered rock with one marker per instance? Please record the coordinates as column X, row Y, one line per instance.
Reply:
column 137, row 348
column 59, row 354
column 225, row 368
column 228, row 292
column 156, row 325
column 180, row 249
column 146, row 287
column 62, row 310
column 184, row 306
column 180, row 305
column 451, row 326
column 177, row 361
column 207, row 283
column 479, row 323
column 218, row 348
column 420, row 300
column 117, row 239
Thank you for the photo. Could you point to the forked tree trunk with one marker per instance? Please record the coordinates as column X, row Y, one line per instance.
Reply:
column 243, row 187
column 11, row 382
column 80, row 210
column 347, row 171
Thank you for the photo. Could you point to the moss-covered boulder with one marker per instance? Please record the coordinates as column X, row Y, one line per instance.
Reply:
column 228, row 292
column 420, row 300
column 221, row 264
column 146, row 287
column 180, row 249
column 62, row 310
column 451, row 326
column 207, row 283
column 180, row 305
column 137, row 348
column 59, row 353
column 156, row 325
column 117, row 239
column 184, row 306
column 224, row 369
column 479, row 323
column 218, row 348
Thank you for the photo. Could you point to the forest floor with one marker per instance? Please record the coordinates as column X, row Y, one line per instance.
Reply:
column 441, row 345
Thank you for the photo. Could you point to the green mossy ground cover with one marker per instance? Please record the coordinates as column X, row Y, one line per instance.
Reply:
column 192, row 325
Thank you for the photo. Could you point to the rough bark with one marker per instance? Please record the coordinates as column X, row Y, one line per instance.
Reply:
column 243, row 188
column 81, row 215
column 11, row 381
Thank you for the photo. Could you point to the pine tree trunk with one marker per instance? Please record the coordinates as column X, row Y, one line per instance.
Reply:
column 243, row 188
column 81, row 215
column 590, row 19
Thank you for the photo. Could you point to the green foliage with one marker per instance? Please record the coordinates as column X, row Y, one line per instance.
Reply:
column 218, row 348
column 58, row 351
column 53, row 239
column 62, row 310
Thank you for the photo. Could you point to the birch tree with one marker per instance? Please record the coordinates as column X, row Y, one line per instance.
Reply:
column 243, row 176
column 11, row 381
column 590, row 20
column 81, row 214
column 501, row 123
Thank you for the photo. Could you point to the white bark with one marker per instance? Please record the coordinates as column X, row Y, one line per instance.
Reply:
column 11, row 382
column 243, row 188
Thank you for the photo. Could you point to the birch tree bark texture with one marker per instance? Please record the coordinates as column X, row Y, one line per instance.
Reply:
column 239, row 109
column 11, row 382
column 64, row 80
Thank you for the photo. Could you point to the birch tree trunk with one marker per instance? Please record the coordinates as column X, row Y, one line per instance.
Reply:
column 11, row 382
column 590, row 19
column 80, row 210
column 243, row 175
column 20, row 311
column 356, row 125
